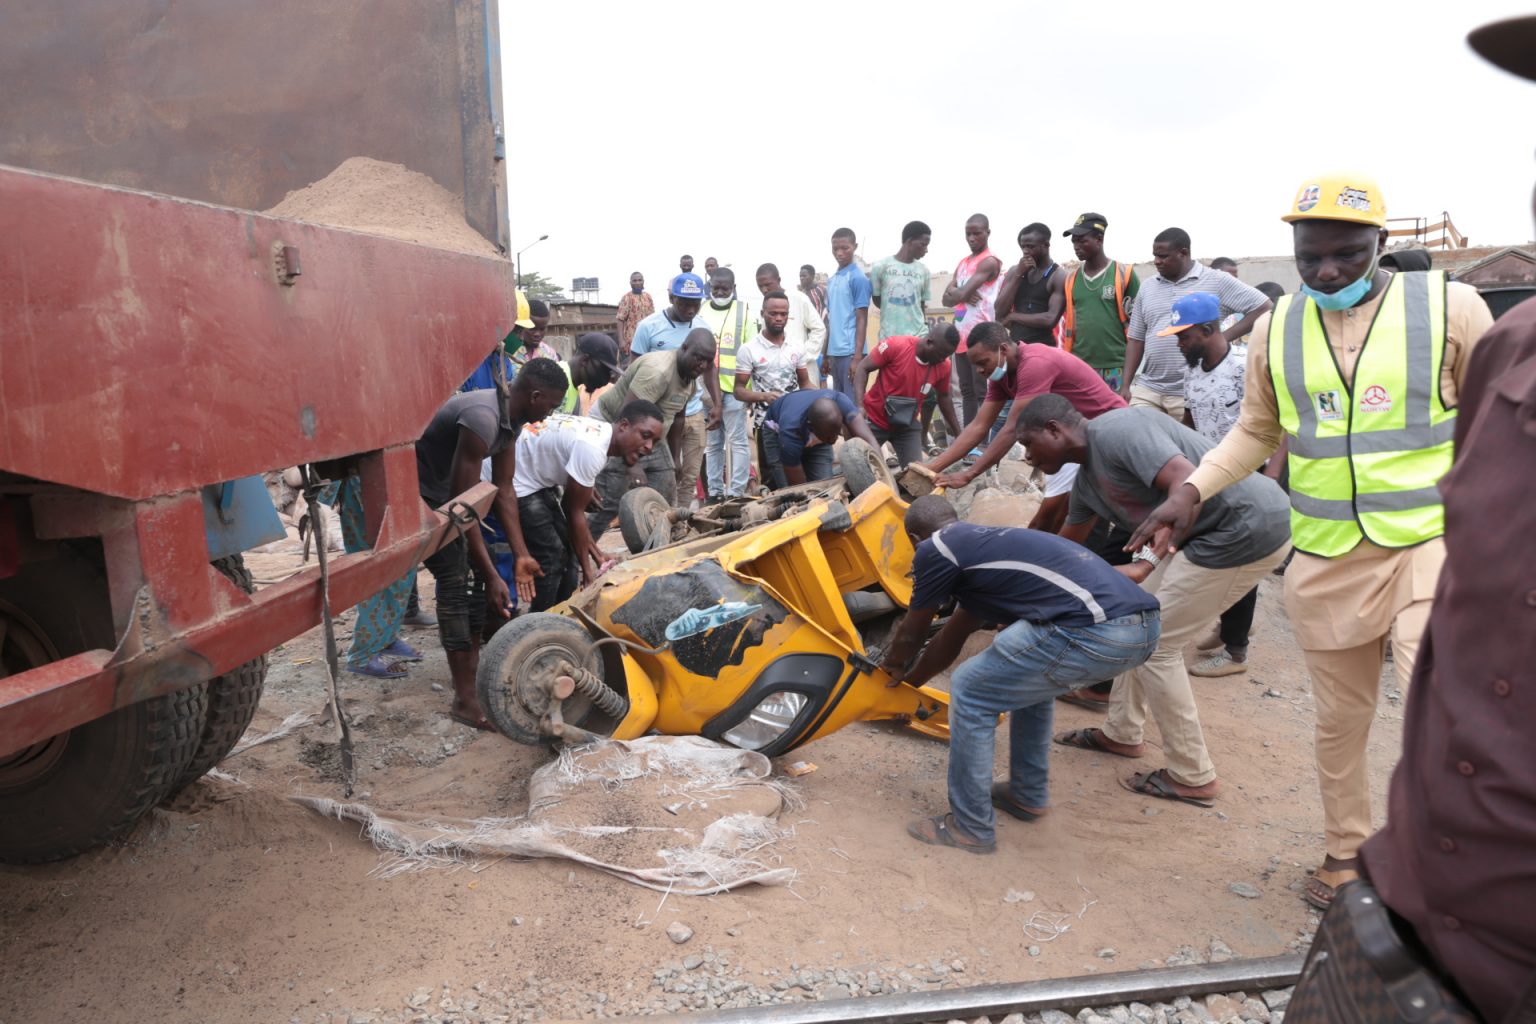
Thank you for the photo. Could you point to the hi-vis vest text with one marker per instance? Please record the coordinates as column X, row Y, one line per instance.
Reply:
column 1365, row 460
column 1069, row 315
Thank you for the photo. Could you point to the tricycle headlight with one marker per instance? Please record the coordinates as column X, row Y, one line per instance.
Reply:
column 768, row 721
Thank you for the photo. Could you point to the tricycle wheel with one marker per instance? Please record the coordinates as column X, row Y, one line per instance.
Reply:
column 863, row 467
column 642, row 512
column 86, row 786
column 232, row 697
column 519, row 664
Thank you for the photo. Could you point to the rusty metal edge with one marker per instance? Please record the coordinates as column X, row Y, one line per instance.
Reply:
column 1160, row 984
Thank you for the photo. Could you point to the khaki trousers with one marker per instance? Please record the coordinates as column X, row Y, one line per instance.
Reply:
column 1346, row 685
column 1173, row 405
column 691, row 459
column 1191, row 597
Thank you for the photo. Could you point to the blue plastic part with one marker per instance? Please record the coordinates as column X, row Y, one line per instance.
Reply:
column 238, row 516
column 698, row 620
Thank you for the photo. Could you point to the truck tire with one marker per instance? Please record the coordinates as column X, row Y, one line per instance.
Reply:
column 88, row 785
column 642, row 511
column 232, row 697
column 863, row 467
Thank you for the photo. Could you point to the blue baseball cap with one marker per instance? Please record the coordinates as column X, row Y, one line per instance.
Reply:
column 686, row 286
column 1195, row 308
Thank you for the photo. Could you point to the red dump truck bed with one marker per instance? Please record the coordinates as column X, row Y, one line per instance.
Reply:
column 155, row 344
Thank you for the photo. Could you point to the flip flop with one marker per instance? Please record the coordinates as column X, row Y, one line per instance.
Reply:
column 378, row 668
column 1003, row 801
column 939, row 832
column 1093, row 739
column 1083, row 702
column 1157, row 784
column 402, row 650
column 484, row 724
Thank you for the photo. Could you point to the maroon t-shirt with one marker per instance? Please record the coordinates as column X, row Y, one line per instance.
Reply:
column 901, row 375
column 1044, row 369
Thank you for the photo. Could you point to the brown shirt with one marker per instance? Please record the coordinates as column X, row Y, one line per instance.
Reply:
column 1457, row 858
column 1350, row 600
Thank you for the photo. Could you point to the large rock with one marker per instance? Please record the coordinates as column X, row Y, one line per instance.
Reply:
column 995, row 507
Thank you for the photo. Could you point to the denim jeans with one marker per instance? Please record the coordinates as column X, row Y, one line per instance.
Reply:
column 733, row 429
column 1027, row 667
column 817, row 461
column 907, row 441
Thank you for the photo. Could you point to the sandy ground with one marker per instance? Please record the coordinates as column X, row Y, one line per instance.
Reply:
column 235, row 904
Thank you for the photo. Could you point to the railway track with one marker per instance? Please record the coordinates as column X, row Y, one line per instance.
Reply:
column 994, row 1002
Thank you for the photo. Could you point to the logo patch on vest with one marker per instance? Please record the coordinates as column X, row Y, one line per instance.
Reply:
column 1376, row 399
column 1328, row 407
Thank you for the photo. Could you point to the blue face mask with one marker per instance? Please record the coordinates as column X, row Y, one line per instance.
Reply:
column 1346, row 297
column 999, row 373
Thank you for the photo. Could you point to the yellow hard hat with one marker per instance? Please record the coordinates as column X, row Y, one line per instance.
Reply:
column 524, row 314
column 1349, row 197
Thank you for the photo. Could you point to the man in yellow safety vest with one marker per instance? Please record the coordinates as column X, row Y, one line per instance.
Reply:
column 733, row 324
column 1359, row 374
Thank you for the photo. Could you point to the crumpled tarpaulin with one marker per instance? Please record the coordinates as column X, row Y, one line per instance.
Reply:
column 677, row 813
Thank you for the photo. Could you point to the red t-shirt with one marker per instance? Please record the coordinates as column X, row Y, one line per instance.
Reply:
column 1046, row 369
column 901, row 375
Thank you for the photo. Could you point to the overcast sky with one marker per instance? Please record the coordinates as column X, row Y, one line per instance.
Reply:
column 749, row 132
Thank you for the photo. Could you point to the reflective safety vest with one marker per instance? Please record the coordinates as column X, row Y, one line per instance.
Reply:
column 1365, row 459
column 1069, row 314
column 572, row 393
column 731, row 333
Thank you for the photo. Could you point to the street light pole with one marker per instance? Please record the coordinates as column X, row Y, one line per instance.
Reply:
column 519, row 258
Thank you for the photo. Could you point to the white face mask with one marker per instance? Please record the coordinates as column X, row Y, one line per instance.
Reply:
column 720, row 303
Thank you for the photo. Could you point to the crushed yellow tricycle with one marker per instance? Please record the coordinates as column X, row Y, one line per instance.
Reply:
column 765, row 639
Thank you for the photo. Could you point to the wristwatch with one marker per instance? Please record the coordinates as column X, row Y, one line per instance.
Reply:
column 1146, row 555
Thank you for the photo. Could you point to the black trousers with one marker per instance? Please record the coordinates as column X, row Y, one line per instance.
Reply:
column 461, row 608
column 1108, row 542
column 1237, row 621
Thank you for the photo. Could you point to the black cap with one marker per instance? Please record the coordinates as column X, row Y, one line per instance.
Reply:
column 1509, row 44
column 602, row 347
column 1087, row 223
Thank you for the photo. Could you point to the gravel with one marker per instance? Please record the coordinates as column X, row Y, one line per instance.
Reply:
column 708, row 981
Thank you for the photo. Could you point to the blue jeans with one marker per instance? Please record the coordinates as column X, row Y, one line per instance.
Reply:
column 1002, row 421
column 842, row 375
column 816, row 461
column 733, row 429
column 1027, row 667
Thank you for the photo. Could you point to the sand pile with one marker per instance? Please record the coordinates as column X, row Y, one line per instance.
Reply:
column 386, row 199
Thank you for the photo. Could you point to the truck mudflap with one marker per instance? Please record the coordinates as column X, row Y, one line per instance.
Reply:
column 180, row 621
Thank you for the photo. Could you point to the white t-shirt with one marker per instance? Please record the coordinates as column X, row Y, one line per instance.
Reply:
column 560, row 449
column 1057, row 484
column 1214, row 398
column 773, row 367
